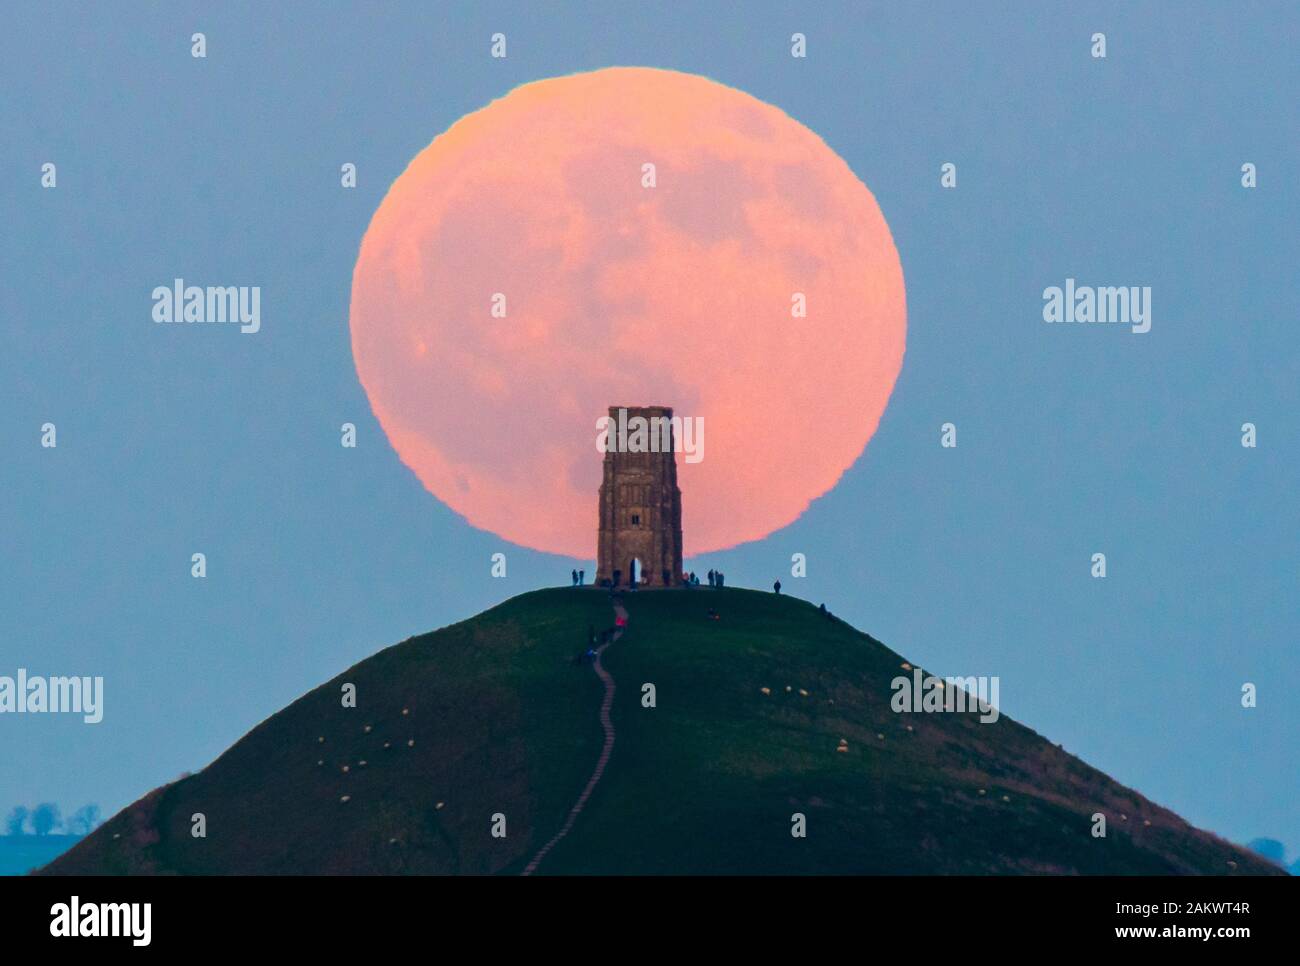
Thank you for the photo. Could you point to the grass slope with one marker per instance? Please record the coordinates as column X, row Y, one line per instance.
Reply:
column 489, row 716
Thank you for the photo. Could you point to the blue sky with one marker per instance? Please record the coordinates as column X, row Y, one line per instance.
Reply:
column 1071, row 439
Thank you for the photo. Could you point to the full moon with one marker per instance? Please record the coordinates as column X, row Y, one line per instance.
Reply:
column 628, row 236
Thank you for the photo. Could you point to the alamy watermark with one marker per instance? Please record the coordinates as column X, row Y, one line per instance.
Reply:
column 129, row 920
column 921, row 694
column 1123, row 304
column 241, row 304
column 66, row 695
column 654, row 434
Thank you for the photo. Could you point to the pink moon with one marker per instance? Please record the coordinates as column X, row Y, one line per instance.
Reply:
column 628, row 236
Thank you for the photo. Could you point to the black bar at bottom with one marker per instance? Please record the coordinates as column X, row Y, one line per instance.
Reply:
column 333, row 915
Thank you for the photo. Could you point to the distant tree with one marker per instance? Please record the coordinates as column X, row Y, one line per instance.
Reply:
column 84, row 820
column 16, row 823
column 45, row 818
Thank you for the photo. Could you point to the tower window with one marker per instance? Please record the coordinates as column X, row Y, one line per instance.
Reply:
column 636, row 519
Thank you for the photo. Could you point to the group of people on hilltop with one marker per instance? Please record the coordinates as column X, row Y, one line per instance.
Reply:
column 717, row 579
column 578, row 578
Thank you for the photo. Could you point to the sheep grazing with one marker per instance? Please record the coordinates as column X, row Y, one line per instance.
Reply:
column 880, row 736
column 406, row 711
column 346, row 798
column 346, row 768
column 321, row 740
column 788, row 689
column 361, row 763
column 905, row 666
column 983, row 792
column 1006, row 798
column 766, row 690
column 439, row 806
column 366, row 729
column 1146, row 822
column 803, row 693
column 842, row 748
column 411, row 743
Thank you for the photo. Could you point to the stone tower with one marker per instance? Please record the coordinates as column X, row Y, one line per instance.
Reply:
column 640, row 504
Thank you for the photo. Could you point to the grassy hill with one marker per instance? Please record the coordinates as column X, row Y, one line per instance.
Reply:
column 490, row 716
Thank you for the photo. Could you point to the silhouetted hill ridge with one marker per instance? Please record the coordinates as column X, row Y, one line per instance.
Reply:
column 491, row 717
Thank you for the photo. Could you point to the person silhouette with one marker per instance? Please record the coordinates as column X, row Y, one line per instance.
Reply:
column 573, row 578
column 582, row 578
column 777, row 586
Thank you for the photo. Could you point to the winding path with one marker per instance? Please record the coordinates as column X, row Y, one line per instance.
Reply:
column 620, row 613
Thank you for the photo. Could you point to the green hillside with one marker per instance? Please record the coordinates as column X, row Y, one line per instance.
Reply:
column 492, row 716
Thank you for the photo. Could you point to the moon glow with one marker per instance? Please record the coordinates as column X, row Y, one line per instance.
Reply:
column 682, row 292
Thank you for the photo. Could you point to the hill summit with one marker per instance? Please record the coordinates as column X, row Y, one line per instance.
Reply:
column 469, row 747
